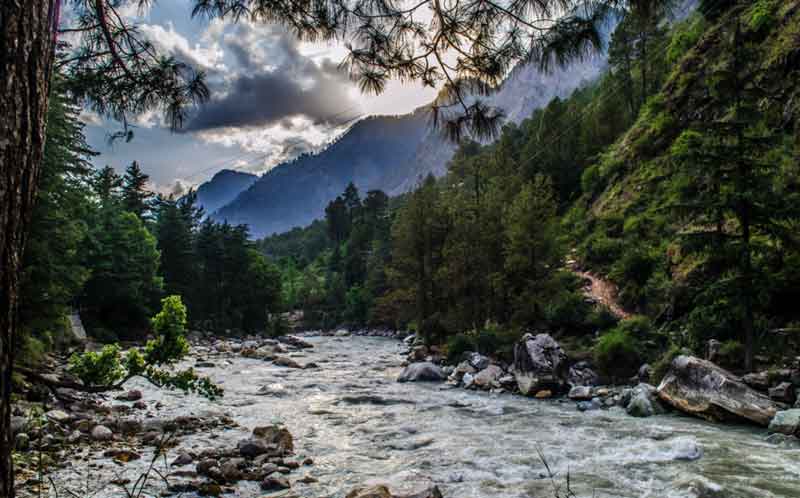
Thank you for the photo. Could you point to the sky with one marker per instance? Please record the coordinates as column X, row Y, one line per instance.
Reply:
column 272, row 98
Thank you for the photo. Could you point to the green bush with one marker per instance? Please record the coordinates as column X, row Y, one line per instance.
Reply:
column 495, row 340
column 169, row 325
column 601, row 318
column 731, row 354
column 762, row 14
column 457, row 345
column 98, row 368
column 618, row 353
column 601, row 250
column 661, row 366
column 592, row 180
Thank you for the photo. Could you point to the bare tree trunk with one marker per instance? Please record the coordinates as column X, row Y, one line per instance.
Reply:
column 25, row 64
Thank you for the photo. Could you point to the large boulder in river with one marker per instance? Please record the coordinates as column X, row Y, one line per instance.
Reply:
column 786, row 422
column 381, row 491
column 539, row 364
column 642, row 401
column 701, row 388
column 422, row 371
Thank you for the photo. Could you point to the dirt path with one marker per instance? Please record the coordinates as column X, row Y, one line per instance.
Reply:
column 602, row 291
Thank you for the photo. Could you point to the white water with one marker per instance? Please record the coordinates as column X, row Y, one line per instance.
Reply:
column 359, row 425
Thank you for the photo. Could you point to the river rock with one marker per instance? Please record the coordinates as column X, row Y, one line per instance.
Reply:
column 102, row 433
column 539, row 364
column 132, row 395
column 757, row 380
column 58, row 416
column 275, row 483
column 184, row 458
column 18, row 424
column 283, row 361
column 381, row 491
column 468, row 380
column 580, row 393
column 478, row 361
column 231, row 470
column 252, row 447
column 783, row 392
column 643, row 402
column 593, row 404
column 422, row 371
column 701, row 388
column 486, row 378
column 276, row 435
column 786, row 422
column 581, row 374
column 204, row 466
column 644, row 373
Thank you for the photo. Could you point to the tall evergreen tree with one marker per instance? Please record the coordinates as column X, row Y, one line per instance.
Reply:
column 135, row 194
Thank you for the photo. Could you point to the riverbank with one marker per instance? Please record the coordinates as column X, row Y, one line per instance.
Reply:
column 361, row 427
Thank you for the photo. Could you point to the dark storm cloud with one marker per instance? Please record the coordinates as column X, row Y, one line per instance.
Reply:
column 270, row 82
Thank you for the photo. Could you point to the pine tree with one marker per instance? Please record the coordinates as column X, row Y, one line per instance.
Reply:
column 135, row 194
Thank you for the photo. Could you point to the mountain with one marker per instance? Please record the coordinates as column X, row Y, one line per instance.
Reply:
column 390, row 153
column 223, row 188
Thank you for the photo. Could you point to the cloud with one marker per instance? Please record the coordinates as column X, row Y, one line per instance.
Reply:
column 270, row 80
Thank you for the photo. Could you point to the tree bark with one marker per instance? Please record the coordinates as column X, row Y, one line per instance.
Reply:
column 26, row 57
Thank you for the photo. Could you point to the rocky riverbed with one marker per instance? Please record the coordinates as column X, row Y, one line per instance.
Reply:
column 354, row 425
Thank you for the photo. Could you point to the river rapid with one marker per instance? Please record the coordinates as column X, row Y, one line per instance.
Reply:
column 361, row 426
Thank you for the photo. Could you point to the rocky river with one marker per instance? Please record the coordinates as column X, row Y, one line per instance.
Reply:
column 359, row 425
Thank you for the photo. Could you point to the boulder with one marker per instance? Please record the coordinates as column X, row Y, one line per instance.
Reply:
column 370, row 492
column 277, row 436
column 58, row 416
column 252, row 447
column 275, row 483
column 486, row 378
column 585, row 406
column 580, row 393
column 295, row 341
column 644, row 373
column 643, row 402
column 786, row 422
column 783, row 392
column 468, row 380
column 101, row 433
column 581, row 374
column 423, row 371
column 478, row 361
column 283, row 361
column 701, row 388
column 539, row 364
column 132, row 395
column 757, row 380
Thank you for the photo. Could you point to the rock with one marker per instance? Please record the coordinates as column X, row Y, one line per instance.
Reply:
column 686, row 449
column 580, row 393
column 22, row 442
column 585, row 406
column 371, row 492
column 275, row 389
column 230, row 469
column 342, row 333
column 757, row 380
column 701, row 388
column 307, row 480
column 581, row 374
column 122, row 455
column 478, row 361
column 539, row 364
column 644, row 373
column 423, row 371
column 283, row 361
column 275, row 483
column 184, row 458
column 132, row 395
column 58, row 416
column 204, row 364
column 713, row 347
column 418, row 353
column 644, row 402
column 276, row 435
column 486, row 378
column 468, row 380
column 544, row 394
column 783, row 392
column 295, row 341
column 18, row 424
column 786, row 422
column 140, row 405
column 251, row 448
column 209, row 489
column 463, row 368
column 101, row 433
column 204, row 466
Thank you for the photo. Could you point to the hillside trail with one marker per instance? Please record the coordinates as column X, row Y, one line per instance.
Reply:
column 600, row 290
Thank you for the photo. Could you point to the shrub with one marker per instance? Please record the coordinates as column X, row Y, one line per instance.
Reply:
column 661, row 366
column 602, row 250
column 169, row 325
column 731, row 354
column 591, row 179
column 457, row 345
column 496, row 340
column 567, row 311
column 98, row 368
column 601, row 318
column 618, row 353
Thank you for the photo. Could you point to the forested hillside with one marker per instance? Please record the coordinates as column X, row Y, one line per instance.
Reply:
column 674, row 176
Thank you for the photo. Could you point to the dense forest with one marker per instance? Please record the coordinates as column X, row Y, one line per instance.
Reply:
column 104, row 246
column 674, row 176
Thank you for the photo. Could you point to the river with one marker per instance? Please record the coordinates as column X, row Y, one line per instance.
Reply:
column 360, row 425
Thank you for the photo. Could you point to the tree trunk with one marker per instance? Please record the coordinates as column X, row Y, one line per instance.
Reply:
column 25, row 64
